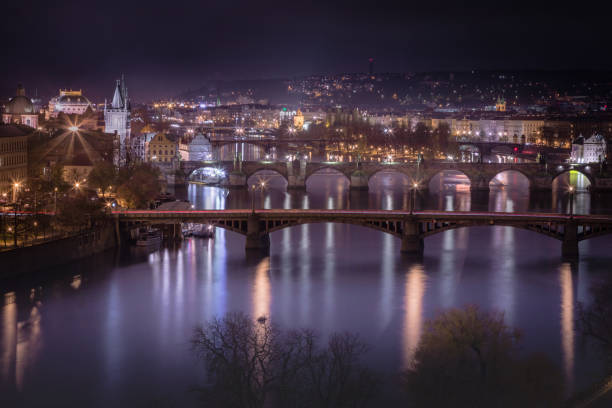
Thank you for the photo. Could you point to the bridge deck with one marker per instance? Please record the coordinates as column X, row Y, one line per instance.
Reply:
column 381, row 214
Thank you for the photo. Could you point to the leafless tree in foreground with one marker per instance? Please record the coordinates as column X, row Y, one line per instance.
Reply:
column 251, row 363
column 470, row 358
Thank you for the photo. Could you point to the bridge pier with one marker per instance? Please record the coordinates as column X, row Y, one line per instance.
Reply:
column 359, row 181
column 412, row 242
column 235, row 180
column 296, row 182
column 255, row 239
column 569, row 247
column 479, row 184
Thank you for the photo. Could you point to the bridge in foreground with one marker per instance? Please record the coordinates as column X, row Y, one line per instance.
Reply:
column 411, row 228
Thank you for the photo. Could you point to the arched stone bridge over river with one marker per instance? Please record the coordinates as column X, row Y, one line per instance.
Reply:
column 411, row 227
column 296, row 172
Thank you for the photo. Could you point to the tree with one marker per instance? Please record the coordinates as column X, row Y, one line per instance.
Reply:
column 79, row 211
column 251, row 363
column 139, row 185
column 471, row 358
column 595, row 321
column 102, row 176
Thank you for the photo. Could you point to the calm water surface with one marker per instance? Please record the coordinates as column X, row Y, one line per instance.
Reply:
column 113, row 330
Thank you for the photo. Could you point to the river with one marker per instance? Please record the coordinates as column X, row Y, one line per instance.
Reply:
column 114, row 329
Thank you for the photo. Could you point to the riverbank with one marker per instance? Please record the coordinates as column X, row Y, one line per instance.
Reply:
column 57, row 252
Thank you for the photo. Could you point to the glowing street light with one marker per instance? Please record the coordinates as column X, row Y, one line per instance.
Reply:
column 413, row 191
column 16, row 186
column 571, row 201
column 73, row 128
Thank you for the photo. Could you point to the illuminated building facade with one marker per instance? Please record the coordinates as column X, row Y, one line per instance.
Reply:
column 161, row 149
column 69, row 102
column 197, row 149
column 13, row 156
column 20, row 110
column 591, row 150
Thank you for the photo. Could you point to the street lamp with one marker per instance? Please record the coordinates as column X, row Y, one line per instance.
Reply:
column 413, row 190
column 571, row 201
column 15, row 189
column 262, row 185
column 54, row 200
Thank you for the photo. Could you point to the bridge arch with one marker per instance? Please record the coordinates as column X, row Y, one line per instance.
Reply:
column 266, row 175
column 518, row 178
column 436, row 181
column 581, row 180
column 330, row 169
column 206, row 173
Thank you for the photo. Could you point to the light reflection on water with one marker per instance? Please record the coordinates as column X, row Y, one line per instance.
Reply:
column 328, row 277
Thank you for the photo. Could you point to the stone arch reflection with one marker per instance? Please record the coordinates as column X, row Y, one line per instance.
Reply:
column 329, row 188
column 390, row 189
column 580, row 184
column 509, row 192
column 271, row 178
column 449, row 190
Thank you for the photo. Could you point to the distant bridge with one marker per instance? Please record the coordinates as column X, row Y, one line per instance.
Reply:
column 486, row 148
column 411, row 228
column 297, row 172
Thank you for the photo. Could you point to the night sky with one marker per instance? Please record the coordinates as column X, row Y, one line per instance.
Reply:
column 166, row 47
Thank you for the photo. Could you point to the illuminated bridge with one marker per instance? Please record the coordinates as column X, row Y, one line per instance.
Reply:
column 297, row 172
column 411, row 228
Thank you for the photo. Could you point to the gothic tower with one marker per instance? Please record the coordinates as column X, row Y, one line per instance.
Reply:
column 117, row 120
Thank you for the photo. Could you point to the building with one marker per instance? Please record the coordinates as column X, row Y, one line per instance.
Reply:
column 13, row 156
column 500, row 105
column 20, row 110
column 197, row 149
column 591, row 150
column 77, row 169
column 69, row 102
column 298, row 120
column 161, row 149
column 117, row 119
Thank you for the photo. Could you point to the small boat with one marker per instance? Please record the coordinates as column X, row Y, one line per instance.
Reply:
column 204, row 231
column 149, row 238
column 188, row 229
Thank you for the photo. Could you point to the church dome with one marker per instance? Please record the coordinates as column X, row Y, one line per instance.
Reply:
column 20, row 105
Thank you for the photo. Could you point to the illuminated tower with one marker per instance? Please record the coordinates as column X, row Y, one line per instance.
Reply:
column 117, row 120
column 500, row 105
column 371, row 61
column 298, row 120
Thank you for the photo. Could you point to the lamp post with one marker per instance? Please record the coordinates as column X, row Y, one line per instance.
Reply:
column 413, row 196
column 15, row 189
column 54, row 200
column 253, row 188
column 571, row 201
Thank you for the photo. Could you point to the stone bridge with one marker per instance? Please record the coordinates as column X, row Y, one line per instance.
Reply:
column 410, row 227
column 297, row 172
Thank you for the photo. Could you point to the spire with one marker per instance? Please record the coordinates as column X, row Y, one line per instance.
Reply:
column 117, row 97
column 124, row 94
